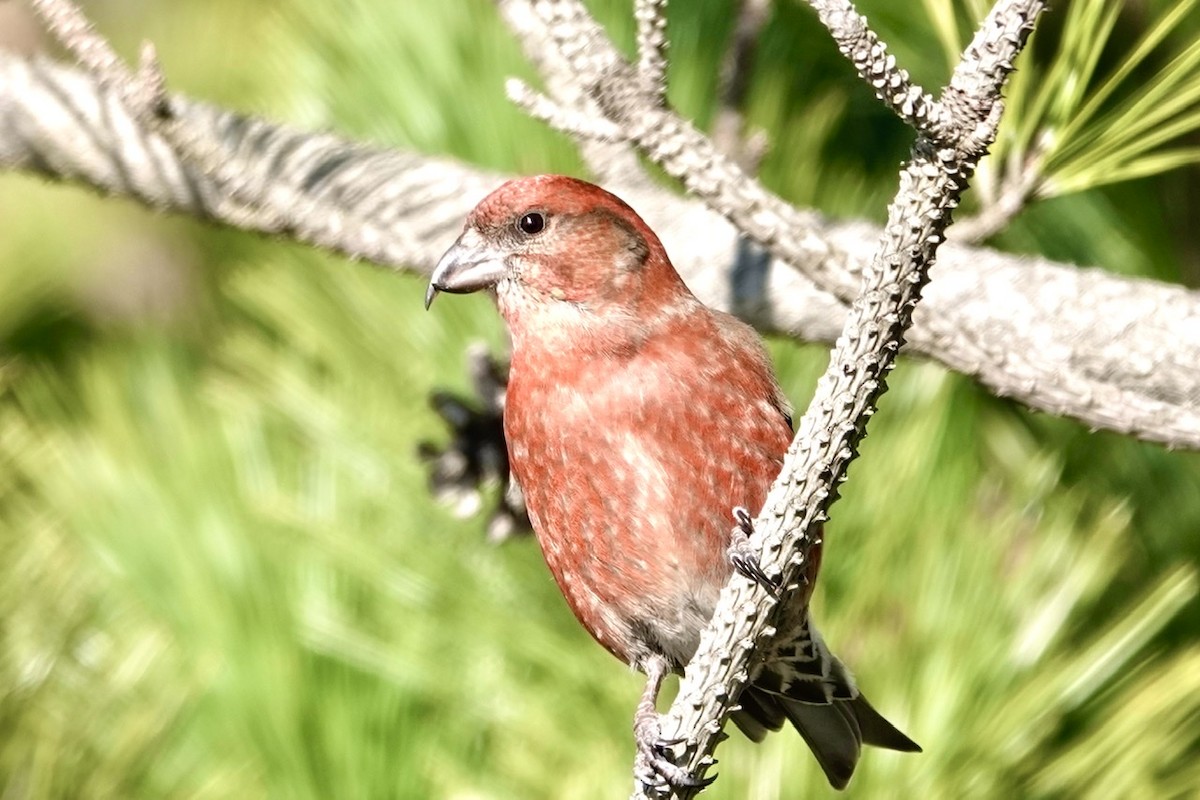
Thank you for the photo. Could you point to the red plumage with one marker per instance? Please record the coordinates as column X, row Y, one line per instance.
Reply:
column 637, row 419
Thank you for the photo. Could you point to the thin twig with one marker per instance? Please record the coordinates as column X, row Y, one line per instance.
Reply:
column 877, row 66
column 560, row 117
column 997, row 212
column 67, row 23
column 651, row 16
column 737, row 65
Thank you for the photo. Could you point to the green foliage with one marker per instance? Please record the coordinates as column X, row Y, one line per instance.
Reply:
column 1091, row 132
column 1075, row 122
column 221, row 574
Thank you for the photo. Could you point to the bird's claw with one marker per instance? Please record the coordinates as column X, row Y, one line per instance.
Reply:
column 742, row 555
column 655, row 767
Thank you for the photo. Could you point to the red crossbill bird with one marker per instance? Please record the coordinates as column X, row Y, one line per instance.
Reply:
column 637, row 420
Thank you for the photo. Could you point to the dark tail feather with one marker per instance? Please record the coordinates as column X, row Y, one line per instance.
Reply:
column 801, row 681
column 829, row 731
column 758, row 714
column 878, row 731
column 835, row 732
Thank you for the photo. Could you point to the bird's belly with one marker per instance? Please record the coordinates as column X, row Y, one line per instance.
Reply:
column 631, row 607
column 635, row 580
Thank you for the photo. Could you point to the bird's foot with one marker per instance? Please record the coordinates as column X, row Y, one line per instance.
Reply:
column 655, row 767
column 743, row 556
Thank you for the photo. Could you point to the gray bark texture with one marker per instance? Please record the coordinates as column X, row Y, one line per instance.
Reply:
column 1112, row 352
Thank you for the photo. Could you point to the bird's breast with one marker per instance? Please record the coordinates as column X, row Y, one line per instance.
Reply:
column 630, row 477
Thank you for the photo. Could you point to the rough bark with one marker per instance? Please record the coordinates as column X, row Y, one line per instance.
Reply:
column 1114, row 353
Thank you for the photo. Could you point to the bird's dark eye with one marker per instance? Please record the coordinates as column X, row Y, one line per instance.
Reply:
column 531, row 223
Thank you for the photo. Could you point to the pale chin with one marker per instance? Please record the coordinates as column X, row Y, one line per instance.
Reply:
column 509, row 298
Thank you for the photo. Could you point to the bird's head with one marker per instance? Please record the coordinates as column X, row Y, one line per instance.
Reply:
column 559, row 250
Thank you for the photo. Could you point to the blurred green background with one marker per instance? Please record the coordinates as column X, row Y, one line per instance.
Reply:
column 221, row 574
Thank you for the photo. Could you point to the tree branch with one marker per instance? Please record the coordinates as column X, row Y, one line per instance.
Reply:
column 729, row 135
column 877, row 67
column 747, row 621
column 1111, row 352
column 652, row 47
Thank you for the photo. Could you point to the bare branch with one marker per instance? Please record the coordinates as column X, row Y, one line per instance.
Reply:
column 1114, row 353
column 747, row 620
column 877, row 66
column 651, row 16
column 736, row 65
column 569, row 120
column 751, row 262
column 68, row 24
column 391, row 208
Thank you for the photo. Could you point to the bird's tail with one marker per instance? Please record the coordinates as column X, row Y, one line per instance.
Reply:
column 836, row 732
column 804, row 683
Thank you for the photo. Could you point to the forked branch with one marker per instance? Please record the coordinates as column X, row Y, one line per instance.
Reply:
column 950, row 141
column 1112, row 352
